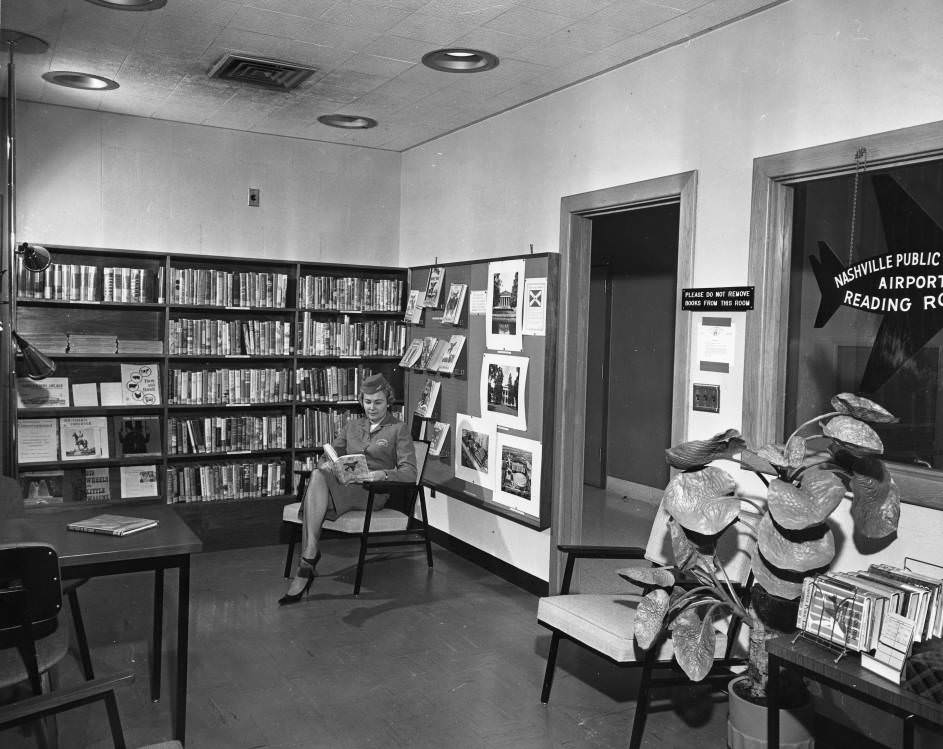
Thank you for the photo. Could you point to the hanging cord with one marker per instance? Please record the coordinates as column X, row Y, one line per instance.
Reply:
column 861, row 164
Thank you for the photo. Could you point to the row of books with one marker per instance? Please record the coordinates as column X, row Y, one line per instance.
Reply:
column 218, row 434
column 219, row 288
column 134, row 285
column 329, row 384
column 849, row 609
column 88, row 283
column 346, row 338
column 139, row 385
column 433, row 354
column 228, row 387
column 350, row 294
column 229, row 337
column 210, row 482
column 316, row 426
column 72, row 438
column 90, row 485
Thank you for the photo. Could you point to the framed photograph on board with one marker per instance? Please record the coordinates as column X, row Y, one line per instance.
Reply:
column 517, row 479
column 503, row 314
column 503, row 385
column 474, row 450
column 434, row 287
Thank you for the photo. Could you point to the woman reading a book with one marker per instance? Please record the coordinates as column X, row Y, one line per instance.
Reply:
column 386, row 444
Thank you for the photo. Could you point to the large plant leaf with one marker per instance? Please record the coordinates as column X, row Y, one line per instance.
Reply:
column 699, row 453
column 685, row 553
column 659, row 577
column 774, row 583
column 694, row 647
column 797, row 556
column 862, row 408
column 797, row 508
column 754, row 462
column 650, row 617
column 851, row 431
column 875, row 504
column 700, row 501
column 774, row 454
column 795, row 451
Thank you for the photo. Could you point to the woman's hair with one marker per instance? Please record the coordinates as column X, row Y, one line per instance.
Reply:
column 385, row 388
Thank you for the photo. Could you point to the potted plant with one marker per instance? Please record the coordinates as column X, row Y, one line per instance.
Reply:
column 806, row 479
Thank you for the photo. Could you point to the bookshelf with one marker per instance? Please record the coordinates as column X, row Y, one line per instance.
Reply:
column 196, row 381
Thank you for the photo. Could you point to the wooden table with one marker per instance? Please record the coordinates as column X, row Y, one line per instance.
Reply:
column 817, row 662
column 84, row 555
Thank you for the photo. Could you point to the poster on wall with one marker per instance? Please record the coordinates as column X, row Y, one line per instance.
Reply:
column 503, row 387
column 474, row 450
column 517, row 479
column 505, row 289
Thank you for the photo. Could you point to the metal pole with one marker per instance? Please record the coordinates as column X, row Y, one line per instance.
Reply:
column 9, row 357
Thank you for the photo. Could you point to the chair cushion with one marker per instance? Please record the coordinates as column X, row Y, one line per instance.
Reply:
column 290, row 513
column 49, row 651
column 605, row 623
column 381, row 520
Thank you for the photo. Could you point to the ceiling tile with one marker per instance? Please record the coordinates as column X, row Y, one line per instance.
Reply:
column 212, row 11
column 433, row 29
column 98, row 60
column 305, row 8
column 249, row 42
column 398, row 48
column 551, row 53
column 496, row 42
column 527, row 22
column 155, row 70
column 590, row 36
column 383, row 67
column 633, row 15
column 320, row 56
column 475, row 11
column 363, row 14
column 568, row 8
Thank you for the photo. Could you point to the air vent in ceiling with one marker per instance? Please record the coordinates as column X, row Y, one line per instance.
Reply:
column 259, row 71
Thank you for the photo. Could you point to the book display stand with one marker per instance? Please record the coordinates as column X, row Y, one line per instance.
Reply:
column 197, row 381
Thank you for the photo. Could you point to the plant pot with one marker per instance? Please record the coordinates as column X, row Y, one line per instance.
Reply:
column 746, row 724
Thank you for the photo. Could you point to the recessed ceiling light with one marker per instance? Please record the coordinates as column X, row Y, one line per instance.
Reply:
column 130, row 4
column 85, row 81
column 460, row 60
column 349, row 121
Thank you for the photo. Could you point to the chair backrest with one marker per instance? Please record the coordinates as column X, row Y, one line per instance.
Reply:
column 30, row 592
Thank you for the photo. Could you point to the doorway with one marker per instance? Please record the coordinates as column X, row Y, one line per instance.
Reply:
column 630, row 351
column 578, row 213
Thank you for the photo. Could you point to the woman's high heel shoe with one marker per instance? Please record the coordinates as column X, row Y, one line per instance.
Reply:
column 306, row 568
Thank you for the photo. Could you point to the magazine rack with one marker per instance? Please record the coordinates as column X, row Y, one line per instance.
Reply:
column 838, row 619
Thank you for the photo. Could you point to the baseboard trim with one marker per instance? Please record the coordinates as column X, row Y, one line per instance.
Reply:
column 502, row 569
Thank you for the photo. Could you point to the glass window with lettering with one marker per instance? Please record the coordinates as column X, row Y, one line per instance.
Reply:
column 866, row 302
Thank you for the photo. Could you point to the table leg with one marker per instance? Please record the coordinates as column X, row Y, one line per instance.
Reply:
column 908, row 732
column 157, row 648
column 183, row 644
column 772, row 703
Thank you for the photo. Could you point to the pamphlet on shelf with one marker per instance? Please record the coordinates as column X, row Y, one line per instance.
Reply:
column 450, row 356
column 454, row 304
column 138, row 435
column 896, row 638
column 37, row 440
column 440, row 432
column 140, row 384
column 111, row 393
column 97, row 484
column 138, row 481
column 42, row 488
column 52, row 392
column 83, row 437
column 414, row 307
column 85, row 394
column 112, row 525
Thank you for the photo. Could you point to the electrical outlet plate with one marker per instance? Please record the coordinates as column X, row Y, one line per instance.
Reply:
column 706, row 398
column 254, row 197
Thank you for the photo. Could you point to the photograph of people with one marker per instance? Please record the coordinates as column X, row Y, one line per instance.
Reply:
column 388, row 447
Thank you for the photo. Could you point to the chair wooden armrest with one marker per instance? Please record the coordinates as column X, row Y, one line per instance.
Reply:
column 384, row 486
column 42, row 705
column 580, row 551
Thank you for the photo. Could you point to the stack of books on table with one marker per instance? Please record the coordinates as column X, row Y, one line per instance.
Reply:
column 873, row 610
column 82, row 343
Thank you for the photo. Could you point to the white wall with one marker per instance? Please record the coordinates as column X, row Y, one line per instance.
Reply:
column 801, row 74
column 107, row 180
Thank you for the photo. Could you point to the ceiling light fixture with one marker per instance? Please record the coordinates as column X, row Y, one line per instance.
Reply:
column 347, row 121
column 460, row 60
column 130, row 4
column 84, row 81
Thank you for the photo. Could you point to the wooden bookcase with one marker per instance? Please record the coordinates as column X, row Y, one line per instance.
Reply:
column 255, row 362
column 461, row 392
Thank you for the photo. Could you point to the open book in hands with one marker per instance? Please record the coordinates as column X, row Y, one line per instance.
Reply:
column 348, row 469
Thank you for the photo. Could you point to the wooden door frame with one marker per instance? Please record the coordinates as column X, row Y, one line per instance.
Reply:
column 771, row 217
column 576, row 212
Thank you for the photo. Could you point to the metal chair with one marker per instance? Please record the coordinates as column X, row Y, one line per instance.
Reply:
column 605, row 623
column 396, row 519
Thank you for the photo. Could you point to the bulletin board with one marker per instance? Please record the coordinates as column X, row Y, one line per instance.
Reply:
column 517, row 482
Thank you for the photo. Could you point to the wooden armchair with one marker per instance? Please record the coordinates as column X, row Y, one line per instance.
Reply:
column 605, row 623
column 396, row 523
